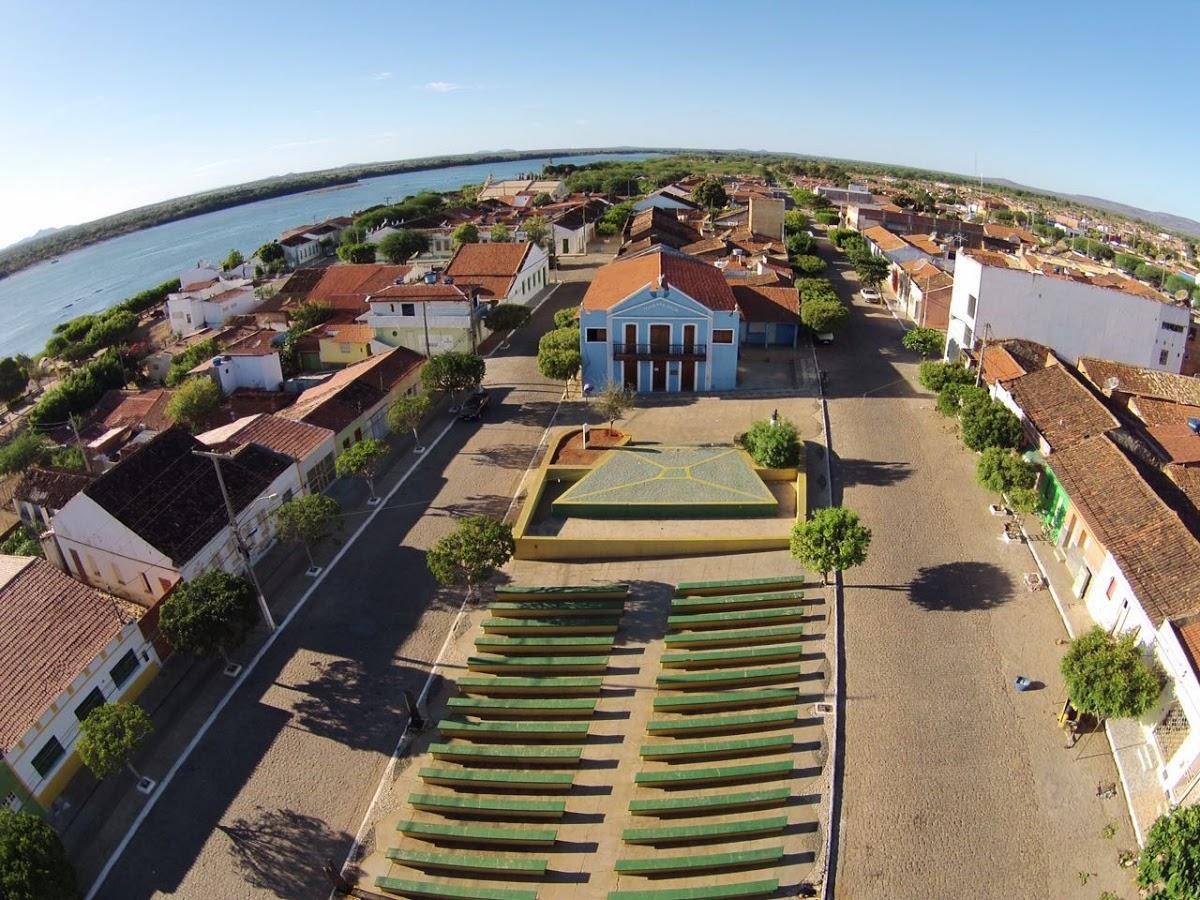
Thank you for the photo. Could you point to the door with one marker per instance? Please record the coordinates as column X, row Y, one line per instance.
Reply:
column 630, row 365
column 660, row 338
column 658, row 380
column 687, row 375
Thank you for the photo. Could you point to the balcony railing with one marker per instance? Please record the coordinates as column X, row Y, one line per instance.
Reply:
column 659, row 351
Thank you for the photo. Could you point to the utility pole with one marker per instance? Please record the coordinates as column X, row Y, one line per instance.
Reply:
column 987, row 331
column 87, row 463
column 425, row 319
column 243, row 550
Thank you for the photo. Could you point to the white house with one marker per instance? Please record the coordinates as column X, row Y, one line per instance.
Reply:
column 427, row 316
column 999, row 295
column 669, row 197
column 210, row 303
column 500, row 272
column 68, row 649
column 157, row 516
column 310, row 447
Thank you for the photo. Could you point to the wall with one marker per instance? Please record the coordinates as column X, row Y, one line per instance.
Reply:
column 1182, row 685
column 11, row 787
column 334, row 352
column 532, row 277
column 448, row 324
column 264, row 372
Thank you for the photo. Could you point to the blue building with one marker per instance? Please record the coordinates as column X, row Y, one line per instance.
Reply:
column 660, row 321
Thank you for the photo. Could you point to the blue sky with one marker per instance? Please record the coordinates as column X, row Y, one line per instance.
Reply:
column 107, row 106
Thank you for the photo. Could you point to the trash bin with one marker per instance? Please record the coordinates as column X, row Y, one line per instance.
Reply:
column 1022, row 683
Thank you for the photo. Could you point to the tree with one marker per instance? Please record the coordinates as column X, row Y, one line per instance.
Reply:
column 270, row 252
column 823, row 316
column 110, row 735
column 471, row 553
column 794, row 221
column 307, row 520
column 407, row 414
column 614, row 402
column 362, row 460
column 233, row 260
column 464, row 234
column 558, row 356
column 537, row 230
column 452, row 372
column 33, row 862
column 567, row 318
column 833, row 540
column 507, row 316
column 307, row 315
column 800, row 244
column 989, row 423
column 1108, row 676
column 399, row 246
column 871, row 270
column 827, row 216
column 210, row 614
column 542, row 199
column 356, row 253
column 500, row 233
column 710, row 194
column 954, row 395
column 929, row 342
column 1003, row 472
column 772, row 444
column 806, row 264
column 1169, row 866
column 935, row 374
column 21, row 452
column 193, row 402
column 13, row 379
column 22, row 542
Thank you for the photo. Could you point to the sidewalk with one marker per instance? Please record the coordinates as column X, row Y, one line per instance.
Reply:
column 1136, row 756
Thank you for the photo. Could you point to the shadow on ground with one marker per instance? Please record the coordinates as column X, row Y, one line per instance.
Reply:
column 274, row 850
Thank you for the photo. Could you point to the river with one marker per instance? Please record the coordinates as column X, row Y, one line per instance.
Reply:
column 93, row 278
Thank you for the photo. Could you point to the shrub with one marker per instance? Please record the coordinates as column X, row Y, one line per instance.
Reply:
column 1169, row 865
column 954, row 395
column 22, row 542
column 1109, row 677
column 356, row 253
column 773, row 446
column 827, row 217
column 833, row 540
column 79, row 391
column 1002, row 471
column 990, row 424
column 189, row 359
column 800, row 243
column 567, row 318
column 193, row 402
column 33, row 863
column 808, row 265
column 507, row 316
column 928, row 342
column 935, row 374
column 823, row 316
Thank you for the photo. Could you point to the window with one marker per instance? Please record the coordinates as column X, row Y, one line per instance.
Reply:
column 1162, row 358
column 1171, row 326
column 722, row 336
column 47, row 758
column 1112, row 587
column 566, row 245
column 597, row 335
column 972, row 301
column 91, row 701
column 408, row 309
column 122, row 670
column 12, row 801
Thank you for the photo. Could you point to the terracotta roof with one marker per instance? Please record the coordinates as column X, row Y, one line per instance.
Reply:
column 1008, row 233
column 170, row 498
column 626, row 276
column 351, row 333
column 1187, row 630
column 491, row 268
column 345, row 395
column 50, row 488
column 293, row 439
column 1140, row 382
column 706, row 245
column 1178, row 441
column 924, row 243
column 127, row 409
column 1062, row 410
column 1187, row 479
column 420, row 292
column 659, row 226
column 768, row 304
column 1000, row 365
column 299, row 283
column 347, row 286
column 51, row 627
column 884, row 239
column 1153, row 548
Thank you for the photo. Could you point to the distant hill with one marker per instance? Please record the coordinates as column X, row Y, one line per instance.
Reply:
column 1166, row 221
column 41, row 233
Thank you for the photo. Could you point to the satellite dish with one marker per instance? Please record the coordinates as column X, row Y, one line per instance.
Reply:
column 1110, row 383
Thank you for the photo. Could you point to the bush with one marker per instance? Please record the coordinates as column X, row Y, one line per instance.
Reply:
column 79, row 391
column 33, row 863
column 954, row 395
column 567, row 318
column 772, row 446
column 827, row 217
column 193, row 402
column 808, row 265
column 1002, row 471
column 794, row 220
column 22, row 542
column 507, row 316
column 936, row 374
column 799, row 244
column 823, row 316
column 929, row 342
column 990, row 424
column 189, row 359
column 1169, row 866
column 356, row 253
column 1109, row 677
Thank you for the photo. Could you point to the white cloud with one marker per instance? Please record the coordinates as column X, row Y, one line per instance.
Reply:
column 443, row 87
column 381, row 76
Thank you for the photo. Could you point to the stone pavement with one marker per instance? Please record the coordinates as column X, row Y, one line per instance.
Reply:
column 955, row 785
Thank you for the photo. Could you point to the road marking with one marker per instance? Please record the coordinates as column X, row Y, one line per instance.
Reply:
column 250, row 667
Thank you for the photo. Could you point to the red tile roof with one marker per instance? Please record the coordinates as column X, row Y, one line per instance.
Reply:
column 350, row 333
column 126, row 409
column 420, row 292
column 347, row 286
column 768, row 304
column 491, row 268
column 51, row 627
column 884, row 239
column 1062, row 410
column 1140, row 382
column 347, row 394
column 50, row 488
column 626, row 276
column 293, row 439
column 1000, row 365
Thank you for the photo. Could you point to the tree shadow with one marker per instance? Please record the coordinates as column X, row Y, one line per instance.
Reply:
column 961, row 587
column 872, row 472
column 493, row 505
column 278, row 849
column 506, row 456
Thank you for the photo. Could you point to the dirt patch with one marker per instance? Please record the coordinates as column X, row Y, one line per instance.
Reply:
column 572, row 452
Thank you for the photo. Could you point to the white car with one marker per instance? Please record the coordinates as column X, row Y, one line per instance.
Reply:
column 870, row 295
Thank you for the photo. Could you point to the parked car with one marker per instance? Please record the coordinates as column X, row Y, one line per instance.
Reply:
column 474, row 405
column 871, row 295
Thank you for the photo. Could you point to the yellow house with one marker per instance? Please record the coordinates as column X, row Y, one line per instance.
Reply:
column 345, row 345
column 69, row 648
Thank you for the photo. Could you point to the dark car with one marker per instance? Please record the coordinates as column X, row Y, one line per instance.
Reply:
column 474, row 405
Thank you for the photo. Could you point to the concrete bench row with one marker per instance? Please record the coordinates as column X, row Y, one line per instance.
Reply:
column 734, row 637
column 675, row 834
column 488, row 807
column 764, row 888
column 514, row 754
column 740, row 585
column 693, row 725
column 543, row 609
column 558, row 625
column 564, row 665
column 507, row 731
column 727, row 602
column 566, row 592
column 710, row 804
column 694, row 777
column 521, row 708
column 742, row 618
column 499, row 780
column 735, row 678
column 701, row 659
column 523, row 836
column 722, row 700
column 701, row 750
column 543, row 646
column 518, row 686
column 409, row 887
column 701, row 864
column 468, row 863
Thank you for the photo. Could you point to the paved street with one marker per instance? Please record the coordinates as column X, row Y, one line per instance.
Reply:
column 282, row 780
column 955, row 785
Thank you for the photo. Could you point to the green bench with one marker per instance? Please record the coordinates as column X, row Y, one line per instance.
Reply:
column 479, row 834
column 688, row 752
column 742, row 618
column 674, row 865
column 498, row 780
column 710, row 804
column 726, row 602
column 516, row 686
column 440, row 890
column 555, row 708
column 563, row 625
column 700, row 659
column 536, row 609
column 764, row 888
column 737, row 678
column 521, row 754
column 756, row 721
column 734, row 637
column 722, row 700
column 740, row 585
column 542, row 646
column 510, row 731
column 468, row 863
column 488, row 807
column 675, row 778
column 566, row 665
column 566, row 592
column 674, row 834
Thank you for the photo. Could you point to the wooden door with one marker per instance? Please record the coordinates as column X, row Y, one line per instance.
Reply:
column 658, row 381
column 660, row 338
